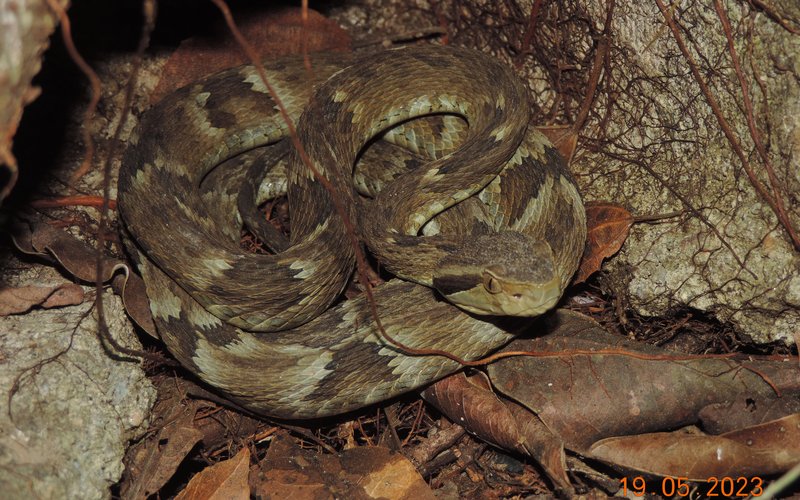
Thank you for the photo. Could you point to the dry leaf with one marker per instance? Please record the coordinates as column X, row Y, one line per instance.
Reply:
column 777, row 443
column 78, row 259
column 741, row 412
column 225, row 480
column 563, row 138
column 584, row 398
column 471, row 402
column 272, row 33
column 607, row 227
column 770, row 448
column 156, row 461
column 361, row 473
column 21, row 299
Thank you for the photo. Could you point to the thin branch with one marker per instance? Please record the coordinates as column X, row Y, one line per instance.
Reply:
column 597, row 69
column 71, row 201
column 775, row 16
column 527, row 39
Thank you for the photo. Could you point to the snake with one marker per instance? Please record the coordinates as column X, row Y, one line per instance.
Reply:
column 270, row 331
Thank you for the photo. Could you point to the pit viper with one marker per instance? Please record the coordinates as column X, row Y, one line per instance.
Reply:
column 270, row 331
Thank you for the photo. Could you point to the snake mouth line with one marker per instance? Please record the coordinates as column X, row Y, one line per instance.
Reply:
column 533, row 301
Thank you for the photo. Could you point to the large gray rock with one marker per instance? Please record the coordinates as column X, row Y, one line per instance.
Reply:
column 665, row 123
column 73, row 408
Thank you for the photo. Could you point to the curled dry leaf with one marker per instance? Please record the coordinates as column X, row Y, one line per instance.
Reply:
column 563, row 137
column 226, row 480
column 607, row 227
column 21, row 299
column 78, row 259
column 741, row 412
column 471, row 402
column 155, row 461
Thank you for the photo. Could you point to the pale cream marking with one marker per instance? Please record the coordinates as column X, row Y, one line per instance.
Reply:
column 219, row 266
column 290, row 99
column 430, row 177
column 163, row 303
column 435, row 208
column 519, row 156
column 340, row 96
column 219, row 310
column 191, row 214
column 431, row 228
column 299, row 363
column 502, row 131
column 422, row 106
column 536, row 142
column 351, row 317
column 451, row 103
column 307, row 268
column 142, row 177
column 199, row 115
column 202, row 318
column 533, row 209
column 415, row 222
column 461, row 195
column 256, row 84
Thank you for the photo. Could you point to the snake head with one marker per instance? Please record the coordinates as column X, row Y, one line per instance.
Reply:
column 500, row 274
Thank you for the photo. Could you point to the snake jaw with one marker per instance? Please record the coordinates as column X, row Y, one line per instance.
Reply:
column 501, row 274
column 516, row 299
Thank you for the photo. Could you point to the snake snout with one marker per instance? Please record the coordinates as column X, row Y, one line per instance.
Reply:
column 501, row 274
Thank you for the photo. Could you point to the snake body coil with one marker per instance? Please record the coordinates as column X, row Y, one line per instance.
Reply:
column 260, row 328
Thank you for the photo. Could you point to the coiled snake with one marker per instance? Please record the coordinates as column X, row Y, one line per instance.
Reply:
column 260, row 328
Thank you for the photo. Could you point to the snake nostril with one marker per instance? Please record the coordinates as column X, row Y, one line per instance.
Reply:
column 517, row 296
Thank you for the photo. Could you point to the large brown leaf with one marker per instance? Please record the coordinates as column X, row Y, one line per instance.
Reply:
column 272, row 33
column 769, row 448
column 78, row 258
column 21, row 299
column 155, row 461
column 584, row 398
column 471, row 402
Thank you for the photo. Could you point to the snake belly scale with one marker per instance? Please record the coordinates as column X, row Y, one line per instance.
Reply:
column 260, row 328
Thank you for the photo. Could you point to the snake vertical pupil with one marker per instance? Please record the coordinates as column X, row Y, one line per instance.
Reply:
column 492, row 284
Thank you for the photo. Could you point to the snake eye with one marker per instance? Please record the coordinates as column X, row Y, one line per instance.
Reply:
column 492, row 284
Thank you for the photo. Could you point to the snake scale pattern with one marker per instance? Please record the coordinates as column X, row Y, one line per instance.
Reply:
column 270, row 331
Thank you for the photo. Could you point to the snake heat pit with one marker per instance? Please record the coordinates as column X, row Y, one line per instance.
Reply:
column 486, row 229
